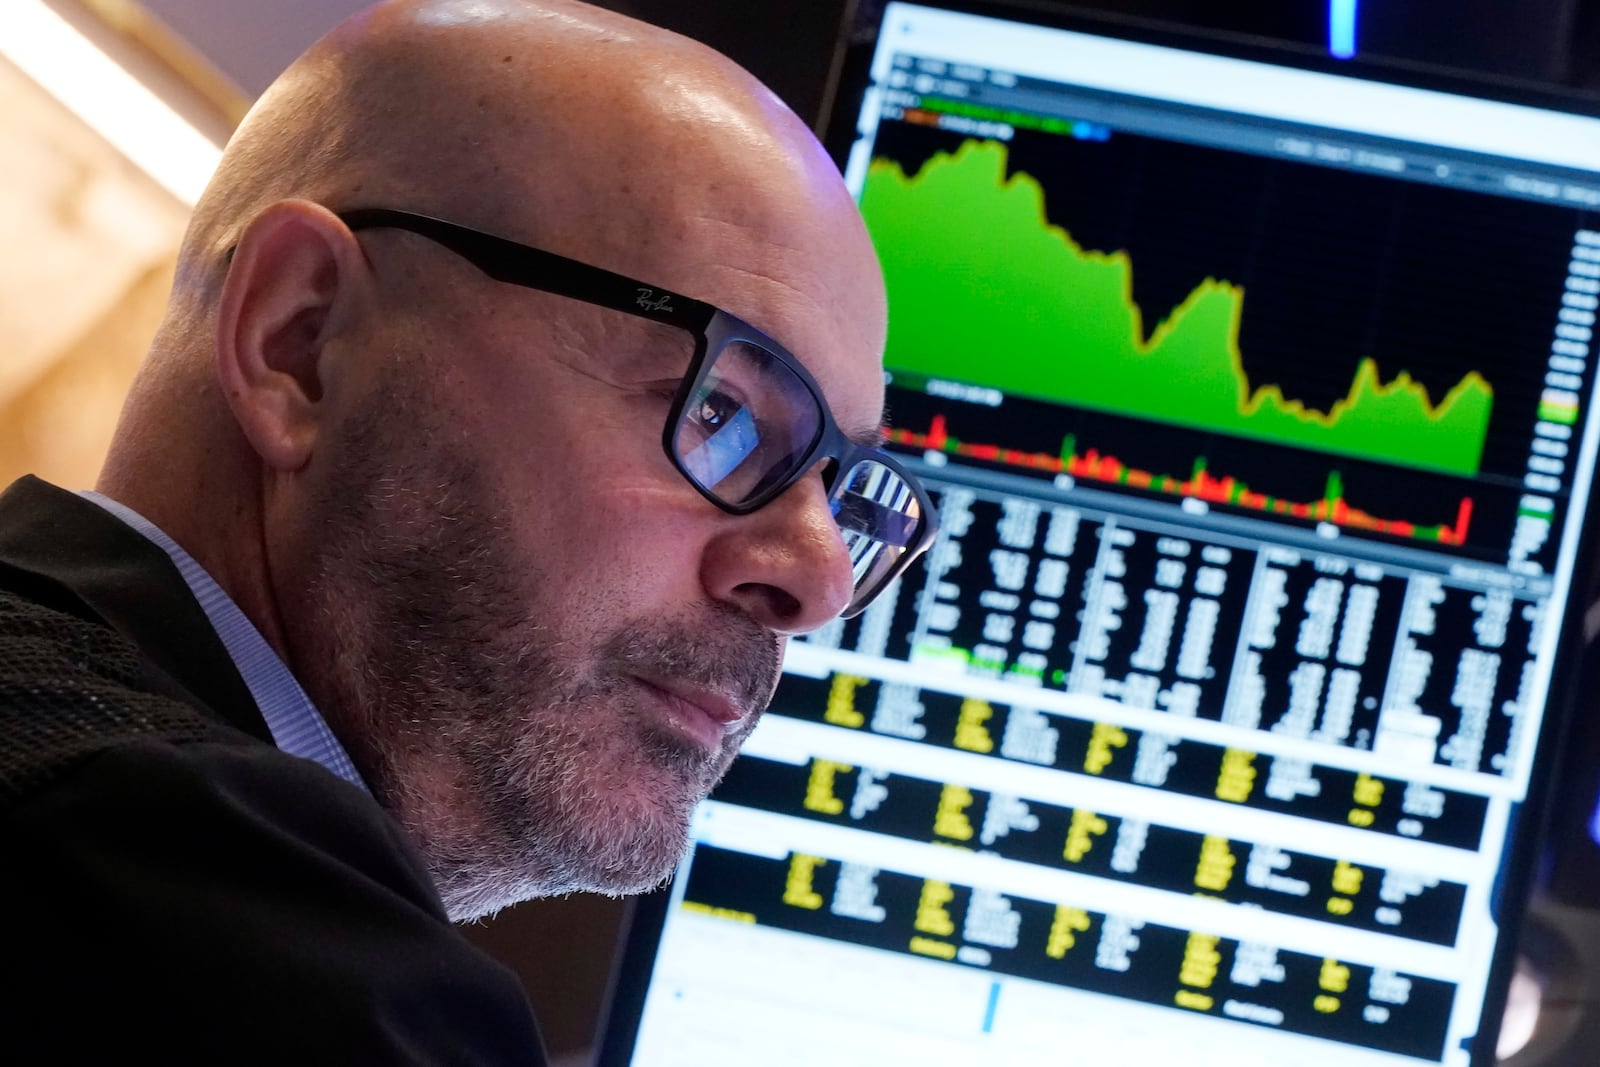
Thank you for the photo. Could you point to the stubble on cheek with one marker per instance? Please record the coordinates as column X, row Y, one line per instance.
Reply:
column 513, row 741
column 521, row 766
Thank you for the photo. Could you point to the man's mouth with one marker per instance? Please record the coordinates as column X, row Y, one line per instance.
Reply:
column 705, row 715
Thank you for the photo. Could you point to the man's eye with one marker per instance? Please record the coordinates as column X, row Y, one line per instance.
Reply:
column 715, row 409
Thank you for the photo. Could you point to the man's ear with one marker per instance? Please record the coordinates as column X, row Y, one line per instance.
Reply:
column 292, row 285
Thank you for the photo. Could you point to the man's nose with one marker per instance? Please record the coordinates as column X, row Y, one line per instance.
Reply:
column 785, row 565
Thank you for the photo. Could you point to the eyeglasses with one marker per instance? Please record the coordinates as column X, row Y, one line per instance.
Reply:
column 748, row 420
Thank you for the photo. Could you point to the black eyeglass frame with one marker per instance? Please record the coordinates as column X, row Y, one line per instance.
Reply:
column 713, row 329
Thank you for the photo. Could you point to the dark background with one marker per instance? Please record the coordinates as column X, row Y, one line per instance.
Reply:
column 789, row 44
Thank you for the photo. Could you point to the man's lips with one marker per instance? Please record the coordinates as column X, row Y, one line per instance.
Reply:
column 707, row 715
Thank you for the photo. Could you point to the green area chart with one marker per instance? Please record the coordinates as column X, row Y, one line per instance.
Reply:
column 984, row 290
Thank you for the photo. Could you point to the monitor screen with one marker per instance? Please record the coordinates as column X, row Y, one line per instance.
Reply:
column 1256, row 399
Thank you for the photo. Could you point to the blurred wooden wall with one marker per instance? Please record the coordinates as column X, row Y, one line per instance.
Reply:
column 87, row 245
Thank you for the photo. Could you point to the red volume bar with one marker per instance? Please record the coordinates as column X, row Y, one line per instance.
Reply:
column 1092, row 466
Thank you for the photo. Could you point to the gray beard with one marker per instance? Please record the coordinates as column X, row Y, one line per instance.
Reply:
column 519, row 766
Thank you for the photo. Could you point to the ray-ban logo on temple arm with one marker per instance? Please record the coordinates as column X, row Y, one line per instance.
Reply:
column 648, row 300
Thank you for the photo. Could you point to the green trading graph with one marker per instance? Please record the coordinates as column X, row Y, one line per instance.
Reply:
column 983, row 289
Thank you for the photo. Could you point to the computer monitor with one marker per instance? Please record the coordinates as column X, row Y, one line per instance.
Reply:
column 1256, row 394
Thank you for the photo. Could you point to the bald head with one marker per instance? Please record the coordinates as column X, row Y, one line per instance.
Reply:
column 442, row 498
column 551, row 119
column 562, row 124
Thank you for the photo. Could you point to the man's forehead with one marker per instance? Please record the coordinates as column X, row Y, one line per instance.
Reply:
column 838, row 340
column 788, row 259
column 686, row 174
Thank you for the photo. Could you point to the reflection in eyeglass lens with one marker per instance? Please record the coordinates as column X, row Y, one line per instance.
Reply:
column 747, row 425
column 746, row 431
column 877, row 501
column 728, row 437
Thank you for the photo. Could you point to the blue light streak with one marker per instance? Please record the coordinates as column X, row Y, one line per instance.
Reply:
column 1342, row 28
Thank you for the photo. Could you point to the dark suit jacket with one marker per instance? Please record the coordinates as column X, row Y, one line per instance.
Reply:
column 175, row 889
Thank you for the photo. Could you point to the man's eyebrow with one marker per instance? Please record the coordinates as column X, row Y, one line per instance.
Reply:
column 873, row 437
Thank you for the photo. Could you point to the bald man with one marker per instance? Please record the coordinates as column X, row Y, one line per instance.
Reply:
column 515, row 403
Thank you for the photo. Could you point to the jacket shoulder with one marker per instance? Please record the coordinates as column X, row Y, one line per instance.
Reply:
column 71, row 687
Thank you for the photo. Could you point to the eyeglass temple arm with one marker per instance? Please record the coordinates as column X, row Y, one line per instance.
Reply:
column 508, row 261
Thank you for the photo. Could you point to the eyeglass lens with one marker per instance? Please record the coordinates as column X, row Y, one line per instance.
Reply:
column 750, row 425
column 878, row 514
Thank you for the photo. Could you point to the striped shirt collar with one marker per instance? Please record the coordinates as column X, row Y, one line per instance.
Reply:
column 294, row 722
